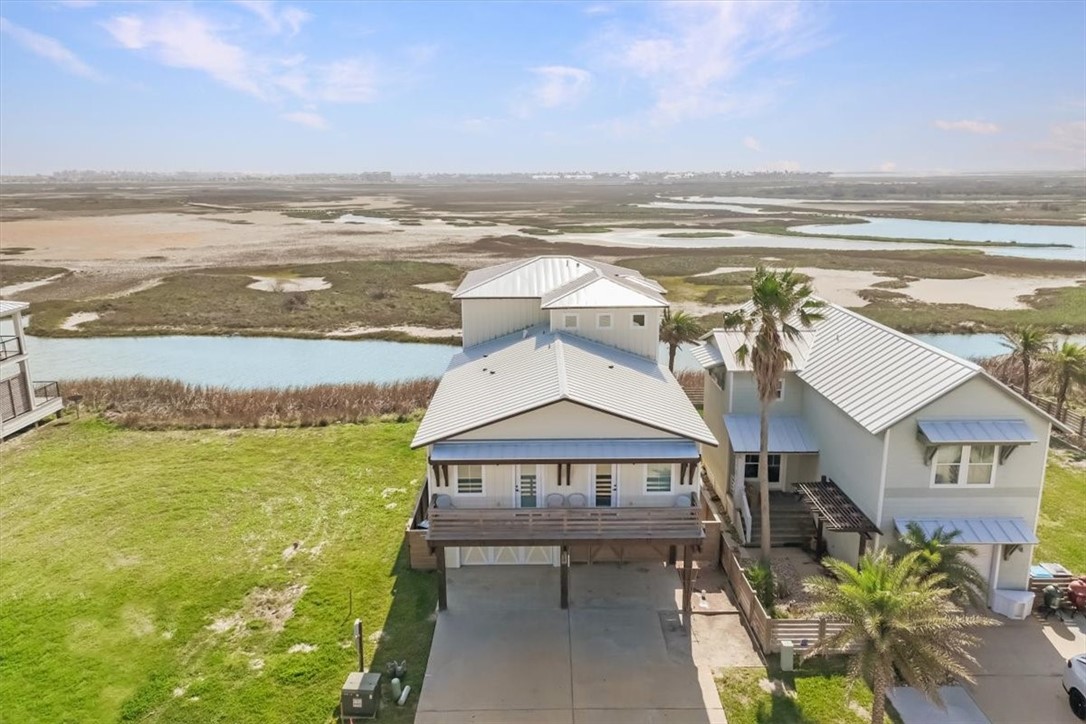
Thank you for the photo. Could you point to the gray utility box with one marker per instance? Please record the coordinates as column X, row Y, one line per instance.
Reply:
column 361, row 697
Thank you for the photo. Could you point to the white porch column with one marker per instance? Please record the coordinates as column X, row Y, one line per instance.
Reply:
column 993, row 573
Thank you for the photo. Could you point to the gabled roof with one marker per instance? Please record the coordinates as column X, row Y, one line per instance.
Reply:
column 554, row 277
column 593, row 290
column 528, row 370
column 874, row 374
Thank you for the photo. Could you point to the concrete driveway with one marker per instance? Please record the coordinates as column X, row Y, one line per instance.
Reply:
column 1021, row 666
column 505, row 653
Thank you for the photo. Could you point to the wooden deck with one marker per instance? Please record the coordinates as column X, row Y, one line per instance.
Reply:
column 564, row 526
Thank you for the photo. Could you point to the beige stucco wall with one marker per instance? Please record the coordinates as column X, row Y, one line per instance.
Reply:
column 1017, row 487
column 716, row 458
column 486, row 319
column 563, row 420
column 744, row 395
column 622, row 334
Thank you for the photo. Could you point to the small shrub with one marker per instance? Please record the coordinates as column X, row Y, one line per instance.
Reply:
column 760, row 576
column 295, row 301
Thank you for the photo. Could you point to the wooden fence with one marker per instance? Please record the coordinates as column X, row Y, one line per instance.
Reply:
column 1074, row 420
column 770, row 632
column 693, row 384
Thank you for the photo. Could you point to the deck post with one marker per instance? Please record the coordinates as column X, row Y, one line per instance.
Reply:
column 688, row 585
column 671, row 556
column 442, row 584
column 863, row 544
column 565, row 576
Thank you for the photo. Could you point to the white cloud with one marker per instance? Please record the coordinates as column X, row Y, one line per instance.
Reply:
column 696, row 54
column 1069, row 138
column 49, row 48
column 887, row 167
column 186, row 40
column 560, row 85
column 598, row 9
column 752, row 143
column 307, row 118
column 276, row 19
column 346, row 81
column 981, row 127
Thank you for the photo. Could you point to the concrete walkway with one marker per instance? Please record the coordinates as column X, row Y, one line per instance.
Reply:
column 505, row 653
column 1021, row 666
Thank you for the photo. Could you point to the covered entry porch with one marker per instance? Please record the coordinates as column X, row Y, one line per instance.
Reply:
column 563, row 528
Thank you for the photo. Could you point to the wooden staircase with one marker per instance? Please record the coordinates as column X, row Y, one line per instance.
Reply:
column 790, row 523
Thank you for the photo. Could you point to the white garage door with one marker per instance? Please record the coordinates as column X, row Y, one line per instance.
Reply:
column 507, row 555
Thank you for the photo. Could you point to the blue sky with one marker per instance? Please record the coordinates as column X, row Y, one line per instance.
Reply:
column 443, row 86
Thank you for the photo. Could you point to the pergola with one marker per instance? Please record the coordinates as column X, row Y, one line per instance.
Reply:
column 835, row 511
column 565, row 527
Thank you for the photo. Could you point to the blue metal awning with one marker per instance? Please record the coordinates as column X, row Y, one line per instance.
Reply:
column 976, row 431
column 786, row 434
column 590, row 450
column 976, row 531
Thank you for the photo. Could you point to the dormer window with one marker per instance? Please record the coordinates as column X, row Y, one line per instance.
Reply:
column 638, row 321
column 603, row 321
column 569, row 321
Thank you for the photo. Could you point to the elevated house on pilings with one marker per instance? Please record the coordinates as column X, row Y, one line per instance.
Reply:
column 872, row 430
column 23, row 401
column 555, row 436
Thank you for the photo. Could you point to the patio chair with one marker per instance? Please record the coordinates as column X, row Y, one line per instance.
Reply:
column 683, row 501
column 1051, row 603
column 577, row 500
column 556, row 500
column 443, row 502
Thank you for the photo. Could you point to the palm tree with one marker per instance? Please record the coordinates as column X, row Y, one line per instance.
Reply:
column 895, row 621
column 938, row 554
column 678, row 328
column 1026, row 343
column 779, row 300
column 1066, row 366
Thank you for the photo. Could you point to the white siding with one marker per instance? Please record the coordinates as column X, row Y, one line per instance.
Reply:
column 562, row 420
column 852, row 457
column 622, row 334
column 1017, row 488
column 486, row 319
column 745, row 395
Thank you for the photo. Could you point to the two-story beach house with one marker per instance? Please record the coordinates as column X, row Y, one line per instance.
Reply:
column 873, row 429
column 22, row 401
column 555, row 433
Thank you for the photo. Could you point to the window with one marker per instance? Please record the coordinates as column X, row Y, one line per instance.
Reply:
column 603, row 321
column 469, row 479
column 719, row 374
column 605, row 487
column 750, row 467
column 780, row 388
column 569, row 321
column 964, row 465
column 658, row 478
column 638, row 320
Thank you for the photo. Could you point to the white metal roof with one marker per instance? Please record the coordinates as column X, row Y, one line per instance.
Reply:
column 787, row 434
column 975, row 530
column 527, row 370
column 599, row 291
column 992, row 432
column 538, row 276
column 8, row 307
column 547, row 450
column 721, row 346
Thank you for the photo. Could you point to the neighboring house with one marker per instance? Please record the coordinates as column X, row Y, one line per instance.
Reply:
column 556, row 432
column 874, row 429
column 22, row 401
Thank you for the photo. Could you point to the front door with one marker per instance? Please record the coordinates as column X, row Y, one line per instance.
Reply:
column 527, row 493
column 604, row 487
column 776, row 470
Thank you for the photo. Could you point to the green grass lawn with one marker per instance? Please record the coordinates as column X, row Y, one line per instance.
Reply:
column 1063, row 516
column 815, row 693
column 151, row 576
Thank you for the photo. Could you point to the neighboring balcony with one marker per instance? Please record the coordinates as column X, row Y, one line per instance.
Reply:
column 10, row 347
column 21, row 406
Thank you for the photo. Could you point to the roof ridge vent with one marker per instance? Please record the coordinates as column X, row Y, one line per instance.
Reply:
column 560, row 368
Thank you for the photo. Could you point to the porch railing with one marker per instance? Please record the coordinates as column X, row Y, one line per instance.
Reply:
column 46, row 390
column 10, row 347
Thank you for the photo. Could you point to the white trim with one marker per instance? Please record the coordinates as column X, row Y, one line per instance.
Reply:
column 645, row 480
column 644, row 319
column 576, row 320
column 1044, row 478
column 882, row 486
column 780, row 388
column 614, row 484
column 730, row 384
column 482, row 482
column 610, row 320
column 963, row 468
column 779, row 485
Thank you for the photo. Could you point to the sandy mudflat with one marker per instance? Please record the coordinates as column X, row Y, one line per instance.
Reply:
column 291, row 284
column 10, row 289
column 420, row 332
column 74, row 320
column 446, row 287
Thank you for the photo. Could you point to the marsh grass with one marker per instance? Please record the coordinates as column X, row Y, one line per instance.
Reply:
column 153, row 404
column 21, row 273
